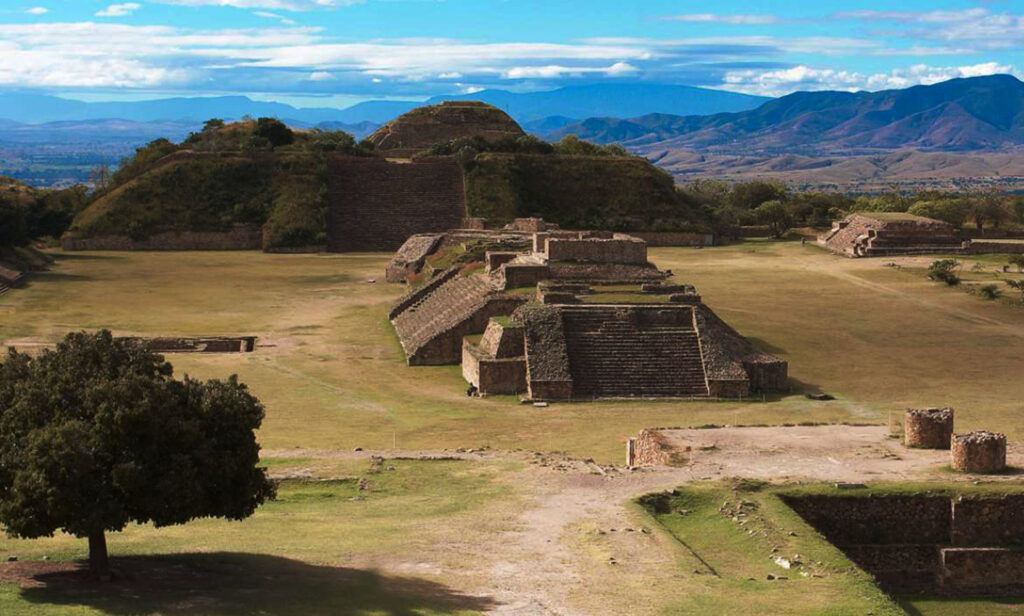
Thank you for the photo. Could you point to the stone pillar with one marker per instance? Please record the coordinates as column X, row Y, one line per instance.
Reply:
column 928, row 428
column 979, row 452
column 631, row 453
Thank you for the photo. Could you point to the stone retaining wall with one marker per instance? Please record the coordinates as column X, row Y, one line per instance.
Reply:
column 960, row 546
column 990, row 248
column 241, row 237
column 623, row 249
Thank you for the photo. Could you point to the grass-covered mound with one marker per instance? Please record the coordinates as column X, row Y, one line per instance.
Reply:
column 624, row 193
column 251, row 172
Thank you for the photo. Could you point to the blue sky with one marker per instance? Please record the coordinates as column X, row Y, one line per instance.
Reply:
column 335, row 52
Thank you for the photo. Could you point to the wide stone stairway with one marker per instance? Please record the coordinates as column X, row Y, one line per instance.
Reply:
column 630, row 351
column 375, row 205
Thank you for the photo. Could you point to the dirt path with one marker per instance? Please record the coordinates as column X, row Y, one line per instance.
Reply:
column 578, row 527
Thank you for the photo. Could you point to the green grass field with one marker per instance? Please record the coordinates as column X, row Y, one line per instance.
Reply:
column 331, row 374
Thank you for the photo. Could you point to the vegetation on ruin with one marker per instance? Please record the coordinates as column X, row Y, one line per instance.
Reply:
column 582, row 192
column 249, row 172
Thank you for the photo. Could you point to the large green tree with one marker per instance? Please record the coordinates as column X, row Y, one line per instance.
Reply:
column 97, row 434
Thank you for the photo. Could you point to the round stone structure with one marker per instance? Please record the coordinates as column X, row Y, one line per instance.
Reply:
column 979, row 452
column 928, row 428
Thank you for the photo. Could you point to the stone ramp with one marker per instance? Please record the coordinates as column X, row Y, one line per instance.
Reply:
column 623, row 352
column 432, row 327
column 375, row 205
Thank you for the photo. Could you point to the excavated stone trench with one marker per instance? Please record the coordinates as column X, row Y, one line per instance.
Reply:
column 926, row 543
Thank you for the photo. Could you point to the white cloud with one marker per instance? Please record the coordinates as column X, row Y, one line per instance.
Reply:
column 281, row 18
column 979, row 26
column 711, row 18
column 321, row 76
column 38, row 10
column 554, row 71
column 119, row 10
column 281, row 5
column 780, row 82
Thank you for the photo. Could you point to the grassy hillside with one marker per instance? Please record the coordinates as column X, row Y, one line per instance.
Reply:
column 249, row 172
column 609, row 192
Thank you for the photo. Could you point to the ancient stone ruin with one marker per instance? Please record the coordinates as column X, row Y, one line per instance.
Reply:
column 202, row 344
column 979, row 452
column 881, row 234
column 959, row 545
column 928, row 428
column 424, row 127
column 560, row 315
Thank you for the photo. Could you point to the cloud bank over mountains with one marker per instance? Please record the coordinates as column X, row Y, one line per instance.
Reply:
column 301, row 47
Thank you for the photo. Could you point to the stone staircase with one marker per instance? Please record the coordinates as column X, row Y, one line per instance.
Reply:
column 375, row 205
column 436, row 315
column 622, row 352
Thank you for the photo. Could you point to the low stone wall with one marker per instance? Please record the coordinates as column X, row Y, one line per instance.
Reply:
column 979, row 452
column 767, row 374
column 625, row 250
column 672, row 238
column 493, row 376
column 411, row 298
column 928, row 428
column 241, row 344
column 241, row 237
column 983, row 571
column 995, row 248
column 525, row 275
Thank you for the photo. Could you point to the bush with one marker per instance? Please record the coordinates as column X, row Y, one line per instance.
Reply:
column 1018, row 261
column 990, row 291
column 944, row 270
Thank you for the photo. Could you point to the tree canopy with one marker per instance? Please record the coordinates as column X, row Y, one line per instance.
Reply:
column 97, row 434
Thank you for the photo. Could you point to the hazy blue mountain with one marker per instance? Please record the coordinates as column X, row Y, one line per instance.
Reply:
column 978, row 113
column 620, row 100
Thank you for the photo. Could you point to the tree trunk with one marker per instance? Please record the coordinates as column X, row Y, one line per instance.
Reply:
column 99, row 562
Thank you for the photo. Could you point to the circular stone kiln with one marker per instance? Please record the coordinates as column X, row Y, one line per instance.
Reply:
column 979, row 452
column 928, row 428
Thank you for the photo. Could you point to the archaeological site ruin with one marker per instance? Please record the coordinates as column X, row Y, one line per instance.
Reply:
column 881, row 234
column 565, row 315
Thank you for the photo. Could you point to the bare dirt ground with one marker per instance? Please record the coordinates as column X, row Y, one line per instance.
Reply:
column 578, row 526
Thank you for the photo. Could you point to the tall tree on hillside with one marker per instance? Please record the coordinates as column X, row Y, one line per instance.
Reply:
column 275, row 131
column 97, row 434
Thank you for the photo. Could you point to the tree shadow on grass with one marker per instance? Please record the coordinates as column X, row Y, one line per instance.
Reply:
column 233, row 584
column 44, row 277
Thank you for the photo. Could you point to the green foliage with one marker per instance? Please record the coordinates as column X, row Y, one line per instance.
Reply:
column 1017, row 260
column 990, row 291
column 299, row 207
column 144, row 158
column 776, row 216
column 944, row 270
column 1018, row 285
column 213, row 124
column 951, row 210
column 571, row 145
column 331, row 141
column 274, row 131
column 524, row 144
column 28, row 214
column 750, row 195
column 98, row 434
column 888, row 202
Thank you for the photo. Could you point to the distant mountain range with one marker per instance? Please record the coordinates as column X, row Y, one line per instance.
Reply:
column 979, row 113
column 573, row 103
